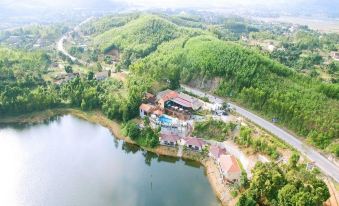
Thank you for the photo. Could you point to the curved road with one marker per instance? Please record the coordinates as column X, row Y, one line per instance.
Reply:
column 60, row 47
column 60, row 43
column 327, row 167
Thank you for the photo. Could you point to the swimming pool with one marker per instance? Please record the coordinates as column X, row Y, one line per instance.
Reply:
column 164, row 119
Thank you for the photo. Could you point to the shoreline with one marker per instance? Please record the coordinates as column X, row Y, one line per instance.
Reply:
column 220, row 190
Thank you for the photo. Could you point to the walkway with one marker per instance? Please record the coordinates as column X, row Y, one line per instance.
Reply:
column 180, row 149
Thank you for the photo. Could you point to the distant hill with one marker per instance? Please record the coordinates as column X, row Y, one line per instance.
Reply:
column 140, row 37
column 142, row 34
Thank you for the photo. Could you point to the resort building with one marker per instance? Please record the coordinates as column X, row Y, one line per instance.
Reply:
column 146, row 110
column 177, row 104
column 215, row 152
column 194, row 143
column 229, row 167
column 169, row 139
column 165, row 96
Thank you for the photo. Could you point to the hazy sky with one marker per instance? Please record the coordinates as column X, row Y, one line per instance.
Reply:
column 157, row 3
column 310, row 7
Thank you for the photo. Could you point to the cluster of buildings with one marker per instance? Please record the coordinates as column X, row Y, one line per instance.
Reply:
column 228, row 164
column 65, row 77
column 29, row 40
column 61, row 78
column 172, row 103
column 172, row 109
column 172, row 139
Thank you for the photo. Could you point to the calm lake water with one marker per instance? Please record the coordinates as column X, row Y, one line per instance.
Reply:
column 71, row 162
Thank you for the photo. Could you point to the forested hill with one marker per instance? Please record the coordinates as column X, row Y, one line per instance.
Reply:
column 22, row 88
column 167, row 51
column 139, row 37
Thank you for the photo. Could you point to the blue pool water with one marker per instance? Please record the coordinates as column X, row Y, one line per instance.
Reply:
column 164, row 119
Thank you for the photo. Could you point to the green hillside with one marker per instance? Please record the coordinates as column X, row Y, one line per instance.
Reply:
column 98, row 26
column 300, row 103
column 138, row 38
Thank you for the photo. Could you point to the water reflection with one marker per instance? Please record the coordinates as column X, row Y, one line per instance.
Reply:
column 22, row 126
column 68, row 161
column 168, row 159
column 130, row 148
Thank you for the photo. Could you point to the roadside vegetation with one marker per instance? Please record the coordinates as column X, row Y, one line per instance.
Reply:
column 260, row 144
column 289, row 184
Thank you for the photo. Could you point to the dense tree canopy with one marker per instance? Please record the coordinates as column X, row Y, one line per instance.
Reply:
column 288, row 185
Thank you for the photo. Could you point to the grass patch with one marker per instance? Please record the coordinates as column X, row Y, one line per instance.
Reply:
column 213, row 129
column 260, row 144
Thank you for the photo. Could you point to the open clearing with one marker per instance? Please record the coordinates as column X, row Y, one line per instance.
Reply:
column 322, row 25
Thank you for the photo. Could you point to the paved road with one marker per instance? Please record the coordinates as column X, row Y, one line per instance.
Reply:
column 60, row 47
column 60, row 43
column 328, row 167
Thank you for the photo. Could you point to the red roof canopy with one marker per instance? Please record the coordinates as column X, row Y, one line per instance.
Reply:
column 182, row 102
column 195, row 141
column 170, row 137
column 146, row 107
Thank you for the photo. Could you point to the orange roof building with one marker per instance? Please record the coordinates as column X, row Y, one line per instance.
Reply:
column 166, row 95
column 146, row 109
column 229, row 167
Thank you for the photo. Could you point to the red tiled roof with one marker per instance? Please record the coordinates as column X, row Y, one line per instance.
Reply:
column 182, row 102
column 229, row 164
column 217, row 151
column 194, row 141
column 187, row 101
column 146, row 107
column 169, row 137
column 169, row 95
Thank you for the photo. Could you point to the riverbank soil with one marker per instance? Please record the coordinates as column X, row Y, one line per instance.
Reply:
column 214, row 177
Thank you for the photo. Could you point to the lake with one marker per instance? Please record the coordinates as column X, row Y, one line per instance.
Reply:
column 69, row 162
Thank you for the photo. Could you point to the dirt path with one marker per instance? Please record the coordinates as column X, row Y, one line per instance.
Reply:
column 180, row 151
